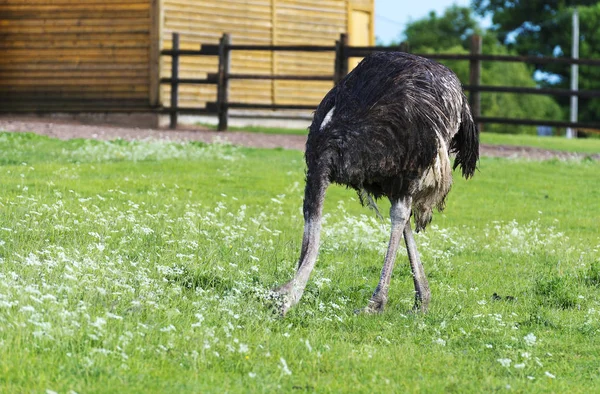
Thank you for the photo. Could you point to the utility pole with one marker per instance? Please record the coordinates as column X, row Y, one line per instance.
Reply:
column 571, row 132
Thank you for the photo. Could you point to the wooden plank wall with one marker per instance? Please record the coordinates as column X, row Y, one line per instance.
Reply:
column 315, row 22
column 277, row 22
column 204, row 22
column 70, row 55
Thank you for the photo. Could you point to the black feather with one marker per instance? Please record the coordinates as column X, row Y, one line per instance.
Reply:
column 390, row 117
column 465, row 144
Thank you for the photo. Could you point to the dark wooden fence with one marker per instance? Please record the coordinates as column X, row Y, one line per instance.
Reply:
column 343, row 52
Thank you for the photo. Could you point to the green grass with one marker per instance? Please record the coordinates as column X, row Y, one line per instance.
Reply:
column 145, row 268
column 260, row 129
column 583, row 145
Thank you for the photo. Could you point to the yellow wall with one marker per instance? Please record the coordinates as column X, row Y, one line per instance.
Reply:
column 360, row 27
column 306, row 22
column 203, row 22
column 276, row 22
column 75, row 54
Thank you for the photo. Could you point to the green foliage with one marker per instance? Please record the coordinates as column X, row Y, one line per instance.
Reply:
column 511, row 104
column 445, row 35
column 145, row 267
column 544, row 28
column 438, row 33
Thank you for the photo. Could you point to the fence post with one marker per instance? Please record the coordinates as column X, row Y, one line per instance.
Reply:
column 404, row 47
column 223, row 83
column 475, row 77
column 341, row 58
column 336, row 66
column 343, row 55
column 174, row 81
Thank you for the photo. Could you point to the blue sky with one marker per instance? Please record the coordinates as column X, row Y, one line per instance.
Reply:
column 392, row 15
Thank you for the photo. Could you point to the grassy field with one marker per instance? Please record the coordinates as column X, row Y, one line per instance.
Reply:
column 146, row 268
column 583, row 145
column 260, row 129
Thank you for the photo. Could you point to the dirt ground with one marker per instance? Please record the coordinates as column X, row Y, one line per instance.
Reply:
column 71, row 129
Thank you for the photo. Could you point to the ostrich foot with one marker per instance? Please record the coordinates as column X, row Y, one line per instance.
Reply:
column 375, row 306
column 422, row 298
column 419, row 308
column 281, row 298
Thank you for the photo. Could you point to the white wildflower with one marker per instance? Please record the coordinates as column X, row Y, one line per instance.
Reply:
column 308, row 345
column 48, row 297
column 530, row 339
column 284, row 367
column 99, row 323
column 548, row 374
column 505, row 362
column 440, row 342
column 200, row 318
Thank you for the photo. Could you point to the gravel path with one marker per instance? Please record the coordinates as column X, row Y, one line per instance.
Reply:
column 70, row 129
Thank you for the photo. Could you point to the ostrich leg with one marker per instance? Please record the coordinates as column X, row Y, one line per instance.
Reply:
column 314, row 195
column 400, row 215
column 422, row 293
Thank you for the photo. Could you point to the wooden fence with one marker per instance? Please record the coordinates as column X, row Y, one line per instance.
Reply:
column 343, row 52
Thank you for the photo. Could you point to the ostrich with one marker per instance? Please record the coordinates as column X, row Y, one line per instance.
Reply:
column 386, row 130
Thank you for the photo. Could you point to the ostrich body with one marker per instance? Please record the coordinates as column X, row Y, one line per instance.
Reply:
column 387, row 130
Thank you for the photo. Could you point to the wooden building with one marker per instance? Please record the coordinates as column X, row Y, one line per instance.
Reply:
column 90, row 55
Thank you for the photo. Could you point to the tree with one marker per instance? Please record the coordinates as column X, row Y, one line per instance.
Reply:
column 450, row 33
column 452, row 29
column 544, row 28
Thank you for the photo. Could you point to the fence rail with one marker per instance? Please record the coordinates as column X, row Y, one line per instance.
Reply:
column 343, row 52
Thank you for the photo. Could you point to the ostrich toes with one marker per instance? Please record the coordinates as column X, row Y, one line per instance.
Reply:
column 280, row 299
column 374, row 306
column 422, row 298
column 420, row 307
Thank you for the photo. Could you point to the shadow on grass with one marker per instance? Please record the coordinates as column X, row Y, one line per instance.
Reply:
column 592, row 275
column 191, row 280
column 558, row 292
